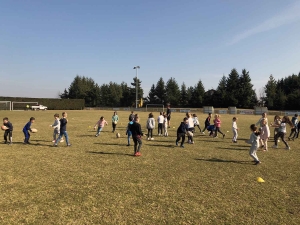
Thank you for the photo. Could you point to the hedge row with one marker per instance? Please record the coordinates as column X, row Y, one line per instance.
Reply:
column 51, row 103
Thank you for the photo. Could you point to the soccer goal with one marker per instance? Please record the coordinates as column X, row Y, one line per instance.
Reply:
column 21, row 106
column 155, row 107
column 5, row 105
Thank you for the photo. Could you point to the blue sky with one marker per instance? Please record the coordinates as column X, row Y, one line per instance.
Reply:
column 45, row 44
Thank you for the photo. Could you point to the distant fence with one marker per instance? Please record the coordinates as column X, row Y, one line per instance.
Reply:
column 51, row 103
column 204, row 110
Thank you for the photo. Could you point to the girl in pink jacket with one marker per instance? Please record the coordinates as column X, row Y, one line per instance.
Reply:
column 217, row 123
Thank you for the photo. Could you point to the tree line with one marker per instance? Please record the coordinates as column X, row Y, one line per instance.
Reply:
column 233, row 90
column 283, row 93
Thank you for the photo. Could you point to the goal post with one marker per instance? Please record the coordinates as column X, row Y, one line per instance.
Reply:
column 155, row 107
column 27, row 103
column 5, row 105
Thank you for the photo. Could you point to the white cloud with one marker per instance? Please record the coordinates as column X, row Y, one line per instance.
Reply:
column 288, row 15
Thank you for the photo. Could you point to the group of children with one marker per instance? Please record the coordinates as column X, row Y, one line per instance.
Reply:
column 59, row 126
column 258, row 139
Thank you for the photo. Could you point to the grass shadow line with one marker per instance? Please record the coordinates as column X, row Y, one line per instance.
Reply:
column 109, row 153
column 223, row 160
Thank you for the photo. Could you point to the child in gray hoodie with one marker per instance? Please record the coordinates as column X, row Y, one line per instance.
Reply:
column 56, row 127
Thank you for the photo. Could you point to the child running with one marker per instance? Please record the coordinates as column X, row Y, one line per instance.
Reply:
column 114, row 120
column 182, row 131
column 196, row 123
column 190, row 128
column 137, row 134
column 234, row 130
column 217, row 123
column 277, row 121
column 282, row 131
column 63, row 130
column 27, row 128
column 206, row 122
column 295, row 127
column 100, row 124
column 150, row 126
column 260, row 123
column 128, row 132
column 8, row 131
column 264, row 134
column 56, row 128
column 254, row 141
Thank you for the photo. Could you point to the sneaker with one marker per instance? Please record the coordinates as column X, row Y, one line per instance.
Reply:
column 53, row 141
column 288, row 148
column 96, row 135
column 69, row 145
column 55, row 145
column 151, row 139
column 203, row 133
column 192, row 142
column 5, row 142
column 257, row 162
column 182, row 146
column 128, row 145
column 274, row 146
column 278, row 141
column 9, row 143
column 176, row 143
column 138, row 154
column 148, row 139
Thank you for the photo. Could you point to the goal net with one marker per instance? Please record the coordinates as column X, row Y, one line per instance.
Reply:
column 23, row 105
column 155, row 108
column 5, row 105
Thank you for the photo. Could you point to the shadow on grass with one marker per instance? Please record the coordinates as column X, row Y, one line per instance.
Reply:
column 237, row 149
column 224, row 161
column 100, row 143
column 109, row 153
column 158, row 145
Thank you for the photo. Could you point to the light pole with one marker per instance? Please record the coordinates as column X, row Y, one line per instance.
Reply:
column 136, row 85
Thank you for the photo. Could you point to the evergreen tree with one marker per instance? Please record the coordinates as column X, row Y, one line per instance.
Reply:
column 246, row 96
column 126, row 99
column 270, row 90
column 64, row 95
column 140, row 95
column 160, row 91
column 197, row 99
column 220, row 95
column 172, row 92
column 152, row 98
column 183, row 95
column 232, row 89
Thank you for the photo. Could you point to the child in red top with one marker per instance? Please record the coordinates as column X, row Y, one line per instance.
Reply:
column 217, row 123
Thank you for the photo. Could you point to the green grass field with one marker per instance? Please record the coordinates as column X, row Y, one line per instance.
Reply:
column 98, row 181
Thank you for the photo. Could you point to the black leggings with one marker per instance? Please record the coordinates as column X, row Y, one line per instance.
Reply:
column 198, row 127
column 218, row 130
column 137, row 143
column 293, row 131
column 7, row 133
column 114, row 126
column 280, row 135
column 160, row 128
column 179, row 136
column 150, row 132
